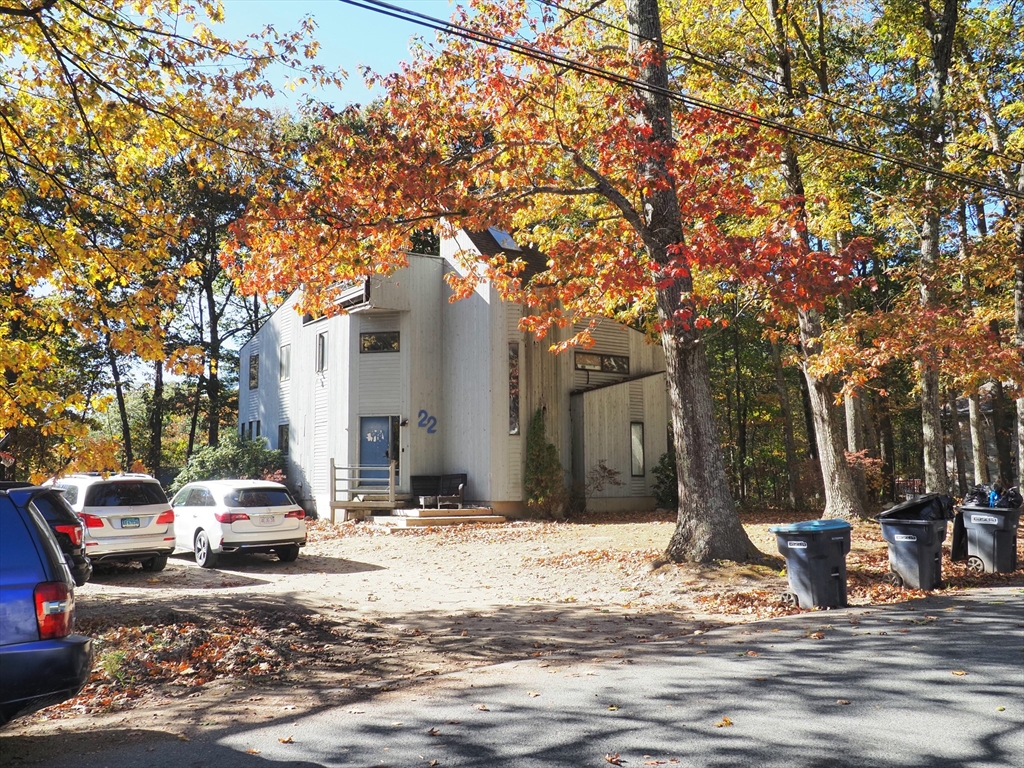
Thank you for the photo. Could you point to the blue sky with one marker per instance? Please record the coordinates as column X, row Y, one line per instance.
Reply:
column 348, row 36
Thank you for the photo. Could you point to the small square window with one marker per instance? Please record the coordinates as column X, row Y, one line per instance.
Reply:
column 285, row 363
column 379, row 341
column 254, row 371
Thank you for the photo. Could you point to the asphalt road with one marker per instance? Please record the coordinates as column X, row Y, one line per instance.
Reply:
column 937, row 682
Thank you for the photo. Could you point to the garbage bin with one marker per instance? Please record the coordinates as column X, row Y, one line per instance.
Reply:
column 914, row 531
column 991, row 538
column 815, row 552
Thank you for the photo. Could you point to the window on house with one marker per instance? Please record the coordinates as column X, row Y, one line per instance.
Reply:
column 252, row 426
column 285, row 367
column 282, row 439
column 254, row 371
column 321, row 352
column 378, row 341
column 257, row 428
column 636, row 448
column 589, row 361
column 513, row 387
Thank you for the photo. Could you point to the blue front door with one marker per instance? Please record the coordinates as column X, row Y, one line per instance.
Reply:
column 378, row 444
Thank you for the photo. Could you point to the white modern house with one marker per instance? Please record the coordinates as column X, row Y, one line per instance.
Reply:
column 450, row 387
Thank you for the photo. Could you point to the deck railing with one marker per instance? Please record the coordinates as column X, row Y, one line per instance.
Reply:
column 359, row 487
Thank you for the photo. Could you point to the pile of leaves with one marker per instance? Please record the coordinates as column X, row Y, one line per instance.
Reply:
column 755, row 603
column 132, row 659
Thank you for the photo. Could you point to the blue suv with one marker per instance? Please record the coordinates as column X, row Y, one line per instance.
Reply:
column 41, row 661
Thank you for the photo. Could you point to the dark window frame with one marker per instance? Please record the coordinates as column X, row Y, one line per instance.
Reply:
column 254, row 371
column 321, row 352
column 284, row 362
column 604, row 363
column 633, row 462
column 514, row 427
column 283, row 437
column 373, row 342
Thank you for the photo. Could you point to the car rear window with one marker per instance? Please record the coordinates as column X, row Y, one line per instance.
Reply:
column 124, row 494
column 18, row 553
column 54, row 508
column 70, row 492
column 260, row 497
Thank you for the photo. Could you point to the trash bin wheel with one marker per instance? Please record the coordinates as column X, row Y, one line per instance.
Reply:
column 975, row 564
column 894, row 578
column 790, row 598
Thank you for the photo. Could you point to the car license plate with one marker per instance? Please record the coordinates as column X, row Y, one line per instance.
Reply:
column 267, row 519
column 129, row 522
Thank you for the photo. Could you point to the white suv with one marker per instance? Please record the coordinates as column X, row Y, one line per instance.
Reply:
column 215, row 516
column 127, row 517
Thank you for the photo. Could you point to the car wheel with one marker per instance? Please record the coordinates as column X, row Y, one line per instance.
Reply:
column 288, row 554
column 155, row 564
column 205, row 556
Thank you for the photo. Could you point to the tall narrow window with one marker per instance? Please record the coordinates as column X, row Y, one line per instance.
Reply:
column 321, row 351
column 513, row 387
column 257, row 428
column 286, row 362
column 282, row 439
column 254, row 371
column 636, row 448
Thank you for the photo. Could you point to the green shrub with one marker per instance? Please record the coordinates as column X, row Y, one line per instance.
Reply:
column 666, row 482
column 234, row 457
column 544, row 481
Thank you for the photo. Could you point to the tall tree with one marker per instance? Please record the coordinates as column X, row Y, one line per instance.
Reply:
column 631, row 196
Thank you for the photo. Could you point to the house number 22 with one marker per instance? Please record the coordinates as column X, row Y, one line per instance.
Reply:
column 428, row 421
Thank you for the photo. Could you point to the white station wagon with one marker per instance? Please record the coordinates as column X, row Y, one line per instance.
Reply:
column 216, row 516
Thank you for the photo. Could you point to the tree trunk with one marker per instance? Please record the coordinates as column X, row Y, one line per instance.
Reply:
column 156, row 420
column 792, row 468
column 940, row 31
column 741, row 418
column 842, row 496
column 707, row 527
column 122, row 409
column 194, row 425
column 213, row 381
column 887, row 450
column 958, row 445
column 1001, row 429
column 1018, row 306
column 978, row 453
column 812, row 437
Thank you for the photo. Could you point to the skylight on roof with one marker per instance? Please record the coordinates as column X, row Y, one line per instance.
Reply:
column 504, row 239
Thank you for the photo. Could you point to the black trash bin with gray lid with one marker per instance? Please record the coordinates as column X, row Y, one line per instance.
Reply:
column 991, row 538
column 914, row 531
column 815, row 552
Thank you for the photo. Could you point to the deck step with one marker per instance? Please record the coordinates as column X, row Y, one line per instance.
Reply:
column 444, row 512
column 403, row 521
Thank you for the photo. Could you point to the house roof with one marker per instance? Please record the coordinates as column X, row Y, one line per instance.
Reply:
column 488, row 244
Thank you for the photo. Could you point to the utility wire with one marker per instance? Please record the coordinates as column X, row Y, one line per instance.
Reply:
column 536, row 54
column 764, row 79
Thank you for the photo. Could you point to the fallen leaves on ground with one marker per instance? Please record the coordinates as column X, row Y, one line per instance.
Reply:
column 725, row 722
column 614, row 758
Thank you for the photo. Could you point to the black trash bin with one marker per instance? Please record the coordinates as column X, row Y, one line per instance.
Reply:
column 914, row 531
column 815, row 552
column 991, row 538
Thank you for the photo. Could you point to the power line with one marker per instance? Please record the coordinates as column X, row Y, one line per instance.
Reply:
column 766, row 80
column 536, row 54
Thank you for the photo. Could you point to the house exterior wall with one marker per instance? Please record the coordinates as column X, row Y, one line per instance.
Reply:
column 448, row 385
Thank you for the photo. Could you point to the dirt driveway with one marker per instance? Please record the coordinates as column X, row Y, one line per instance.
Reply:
column 364, row 609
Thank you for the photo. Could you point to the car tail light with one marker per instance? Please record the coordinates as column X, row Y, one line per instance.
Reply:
column 55, row 609
column 92, row 521
column 166, row 518
column 230, row 517
column 298, row 513
column 73, row 532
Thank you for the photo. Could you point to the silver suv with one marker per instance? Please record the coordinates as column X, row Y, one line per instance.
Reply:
column 127, row 517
